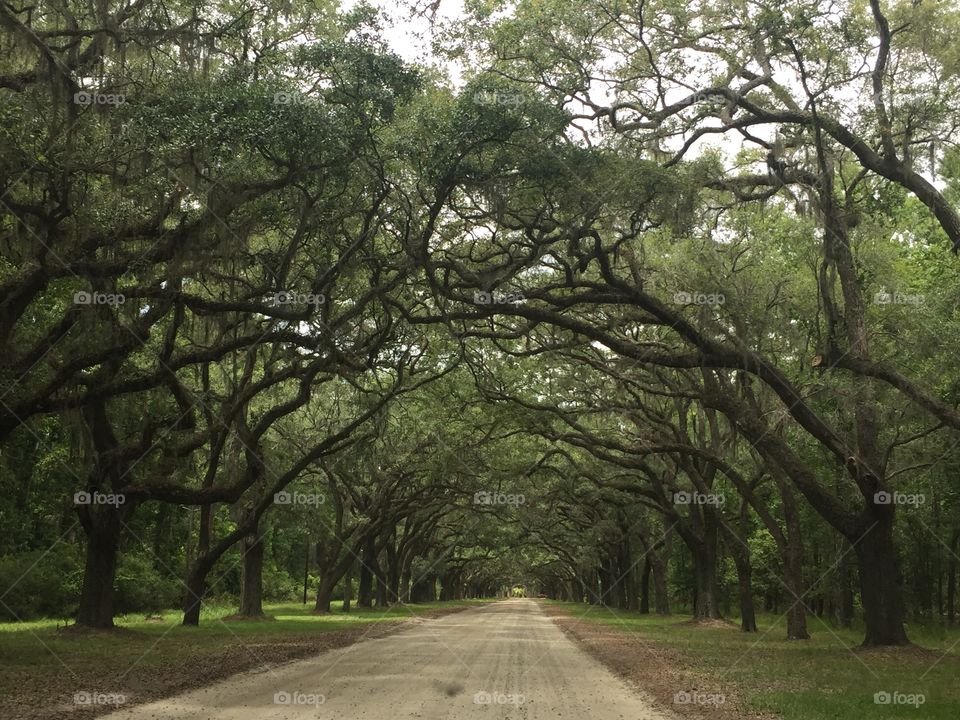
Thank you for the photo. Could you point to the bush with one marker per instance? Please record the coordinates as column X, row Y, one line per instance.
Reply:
column 278, row 586
column 141, row 588
column 40, row 584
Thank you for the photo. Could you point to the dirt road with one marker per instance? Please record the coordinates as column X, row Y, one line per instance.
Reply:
column 504, row 660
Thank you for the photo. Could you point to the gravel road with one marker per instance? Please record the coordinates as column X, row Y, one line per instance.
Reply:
column 498, row 661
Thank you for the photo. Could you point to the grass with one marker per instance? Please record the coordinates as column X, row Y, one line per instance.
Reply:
column 825, row 678
column 41, row 666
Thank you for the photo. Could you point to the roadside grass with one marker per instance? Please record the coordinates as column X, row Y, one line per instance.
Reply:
column 825, row 678
column 41, row 666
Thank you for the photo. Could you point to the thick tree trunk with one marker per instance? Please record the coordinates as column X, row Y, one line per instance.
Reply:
column 661, row 592
column 704, row 551
column 796, row 612
column 196, row 584
column 324, row 593
column 393, row 582
column 790, row 545
column 100, row 568
column 880, row 591
column 251, row 581
column 706, row 604
column 405, row 579
column 609, row 595
column 382, row 592
column 195, row 591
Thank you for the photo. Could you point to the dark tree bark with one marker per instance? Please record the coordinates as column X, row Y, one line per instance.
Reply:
column 100, row 567
column 880, row 582
column 661, row 593
column 704, row 551
column 251, row 581
column 324, row 593
column 196, row 590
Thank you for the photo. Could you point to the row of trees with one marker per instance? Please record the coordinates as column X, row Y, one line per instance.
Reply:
column 251, row 258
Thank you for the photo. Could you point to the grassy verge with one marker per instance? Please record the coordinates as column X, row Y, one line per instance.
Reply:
column 42, row 667
column 763, row 675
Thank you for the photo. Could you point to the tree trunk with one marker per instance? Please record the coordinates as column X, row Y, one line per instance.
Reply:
column 706, row 604
column 661, row 593
column 609, row 597
column 790, row 545
column 796, row 612
column 880, row 593
column 748, row 615
column 404, row 594
column 382, row 591
column 196, row 584
column 704, row 552
column 251, row 580
column 195, row 590
column 324, row 593
column 645, row 587
column 100, row 568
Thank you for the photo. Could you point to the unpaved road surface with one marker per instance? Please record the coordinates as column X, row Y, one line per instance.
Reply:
column 503, row 660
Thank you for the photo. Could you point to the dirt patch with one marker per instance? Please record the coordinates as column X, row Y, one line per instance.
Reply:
column 913, row 652
column 84, row 631
column 669, row 676
column 710, row 623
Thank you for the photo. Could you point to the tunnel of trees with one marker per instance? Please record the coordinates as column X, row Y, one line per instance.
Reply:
column 647, row 310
